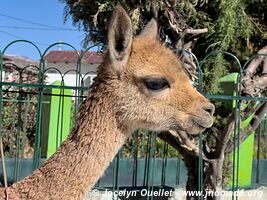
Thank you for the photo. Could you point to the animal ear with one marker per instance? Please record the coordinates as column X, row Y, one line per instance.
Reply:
column 119, row 38
column 150, row 30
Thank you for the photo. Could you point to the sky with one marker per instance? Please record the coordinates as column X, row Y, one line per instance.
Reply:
column 39, row 21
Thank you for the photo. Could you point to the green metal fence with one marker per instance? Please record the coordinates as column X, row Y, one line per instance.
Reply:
column 31, row 109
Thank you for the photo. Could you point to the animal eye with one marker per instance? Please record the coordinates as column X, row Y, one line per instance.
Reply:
column 156, row 84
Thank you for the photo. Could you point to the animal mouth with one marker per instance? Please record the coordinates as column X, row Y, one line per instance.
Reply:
column 185, row 137
column 185, row 140
column 202, row 122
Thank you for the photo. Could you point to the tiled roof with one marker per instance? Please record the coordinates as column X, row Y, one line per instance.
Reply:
column 5, row 58
column 72, row 57
column 13, row 62
column 20, row 61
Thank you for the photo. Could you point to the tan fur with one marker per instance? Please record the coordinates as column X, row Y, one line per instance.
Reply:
column 118, row 103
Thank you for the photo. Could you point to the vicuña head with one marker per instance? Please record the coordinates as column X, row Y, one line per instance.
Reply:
column 151, row 88
column 140, row 84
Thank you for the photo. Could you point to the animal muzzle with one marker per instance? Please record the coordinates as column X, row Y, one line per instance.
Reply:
column 204, row 115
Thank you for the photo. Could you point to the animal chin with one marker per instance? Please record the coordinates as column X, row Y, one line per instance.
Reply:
column 202, row 123
column 196, row 129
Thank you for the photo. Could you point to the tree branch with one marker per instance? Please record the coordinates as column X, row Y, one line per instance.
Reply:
column 252, row 67
column 253, row 86
column 259, row 115
column 264, row 71
column 196, row 31
column 224, row 138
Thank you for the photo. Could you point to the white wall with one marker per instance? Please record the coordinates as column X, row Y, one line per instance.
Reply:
column 70, row 77
column 64, row 67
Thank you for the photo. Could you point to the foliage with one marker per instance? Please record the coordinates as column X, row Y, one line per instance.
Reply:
column 19, row 111
column 227, row 20
column 233, row 32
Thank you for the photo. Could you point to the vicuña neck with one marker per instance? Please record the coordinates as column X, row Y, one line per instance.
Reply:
column 82, row 158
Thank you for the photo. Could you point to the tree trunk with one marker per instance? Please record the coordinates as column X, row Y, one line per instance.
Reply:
column 191, row 163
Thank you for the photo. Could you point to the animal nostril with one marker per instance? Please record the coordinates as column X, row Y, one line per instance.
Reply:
column 209, row 108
